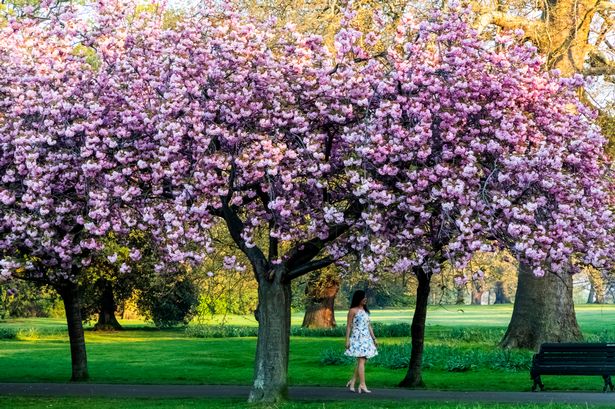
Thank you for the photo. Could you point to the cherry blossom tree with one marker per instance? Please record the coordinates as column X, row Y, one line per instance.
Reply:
column 474, row 146
column 440, row 148
column 46, row 102
column 54, row 216
column 218, row 118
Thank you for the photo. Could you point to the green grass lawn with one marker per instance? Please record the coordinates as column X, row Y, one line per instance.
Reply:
column 100, row 403
column 591, row 317
column 144, row 355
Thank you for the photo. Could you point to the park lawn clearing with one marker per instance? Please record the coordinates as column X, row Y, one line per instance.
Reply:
column 161, row 357
column 110, row 403
column 143, row 355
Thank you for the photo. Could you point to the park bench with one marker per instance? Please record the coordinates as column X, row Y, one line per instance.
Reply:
column 574, row 359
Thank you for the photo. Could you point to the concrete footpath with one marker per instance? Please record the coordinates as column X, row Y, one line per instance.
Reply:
column 308, row 393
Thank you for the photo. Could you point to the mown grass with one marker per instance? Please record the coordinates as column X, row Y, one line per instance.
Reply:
column 110, row 403
column 592, row 317
column 461, row 353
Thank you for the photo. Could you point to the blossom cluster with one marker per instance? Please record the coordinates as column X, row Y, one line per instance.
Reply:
column 472, row 147
column 446, row 148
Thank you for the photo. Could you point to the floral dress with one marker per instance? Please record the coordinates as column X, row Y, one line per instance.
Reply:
column 361, row 342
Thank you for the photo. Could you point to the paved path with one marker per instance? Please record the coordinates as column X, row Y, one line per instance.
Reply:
column 298, row 393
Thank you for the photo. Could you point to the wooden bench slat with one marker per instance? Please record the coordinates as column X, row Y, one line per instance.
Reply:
column 574, row 359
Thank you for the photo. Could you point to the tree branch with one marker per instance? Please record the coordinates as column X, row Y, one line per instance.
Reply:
column 600, row 64
column 509, row 22
column 235, row 227
column 606, row 5
column 597, row 71
column 304, row 252
column 309, row 267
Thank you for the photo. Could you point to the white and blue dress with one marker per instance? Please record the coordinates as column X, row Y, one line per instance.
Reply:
column 361, row 342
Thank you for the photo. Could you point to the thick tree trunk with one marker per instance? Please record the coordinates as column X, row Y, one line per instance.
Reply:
column 460, row 297
column 106, row 315
column 272, row 347
column 592, row 294
column 500, row 295
column 477, row 297
column 609, row 293
column 70, row 295
column 413, row 377
column 320, row 294
column 543, row 311
column 597, row 291
column 600, row 298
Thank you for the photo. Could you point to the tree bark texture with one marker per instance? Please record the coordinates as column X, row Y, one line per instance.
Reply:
column 274, row 293
column 597, row 286
column 106, row 315
column 272, row 347
column 79, row 362
column 320, row 294
column 413, row 376
column 500, row 294
column 477, row 296
column 460, row 296
column 543, row 311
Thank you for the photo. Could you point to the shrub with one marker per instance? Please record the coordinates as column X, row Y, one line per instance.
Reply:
column 476, row 335
column 221, row 331
column 23, row 299
column 339, row 331
column 8, row 333
column 447, row 358
column 394, row 356
column 33, row 333
column 512, row 360
column 400, row 329
column 459, row 363
column 334, row 357
column 169, row 303
column 602, row 336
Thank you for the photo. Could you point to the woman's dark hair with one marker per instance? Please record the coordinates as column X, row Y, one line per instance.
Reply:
column 357, row 297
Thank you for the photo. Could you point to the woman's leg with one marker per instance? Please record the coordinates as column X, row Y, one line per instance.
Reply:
column 355, row 375
column 361, row 369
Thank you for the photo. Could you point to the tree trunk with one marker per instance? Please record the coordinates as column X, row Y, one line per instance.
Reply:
column 597, row 290
column 562, row 34
column 500, row 295
column 413, row 377
column 106, row 315
column 272, row 346
column 609, row 293
column 70, row 295
column 543, row 311
column 320, row 294
column 477, row 297
column 460, row 297
column 600, row 298
column 591, row 295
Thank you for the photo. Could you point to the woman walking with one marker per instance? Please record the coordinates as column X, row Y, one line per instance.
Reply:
column 360, row 340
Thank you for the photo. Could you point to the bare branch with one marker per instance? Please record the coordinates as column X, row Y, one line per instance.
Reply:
column 309, row 267
column 597, row 71
column 606, row 5
column 509, row 22
column 304, row 252
column 600, row 64
column 235, row 228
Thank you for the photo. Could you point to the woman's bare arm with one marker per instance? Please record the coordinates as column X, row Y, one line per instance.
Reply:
column 371, row 332
column 349, row 327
